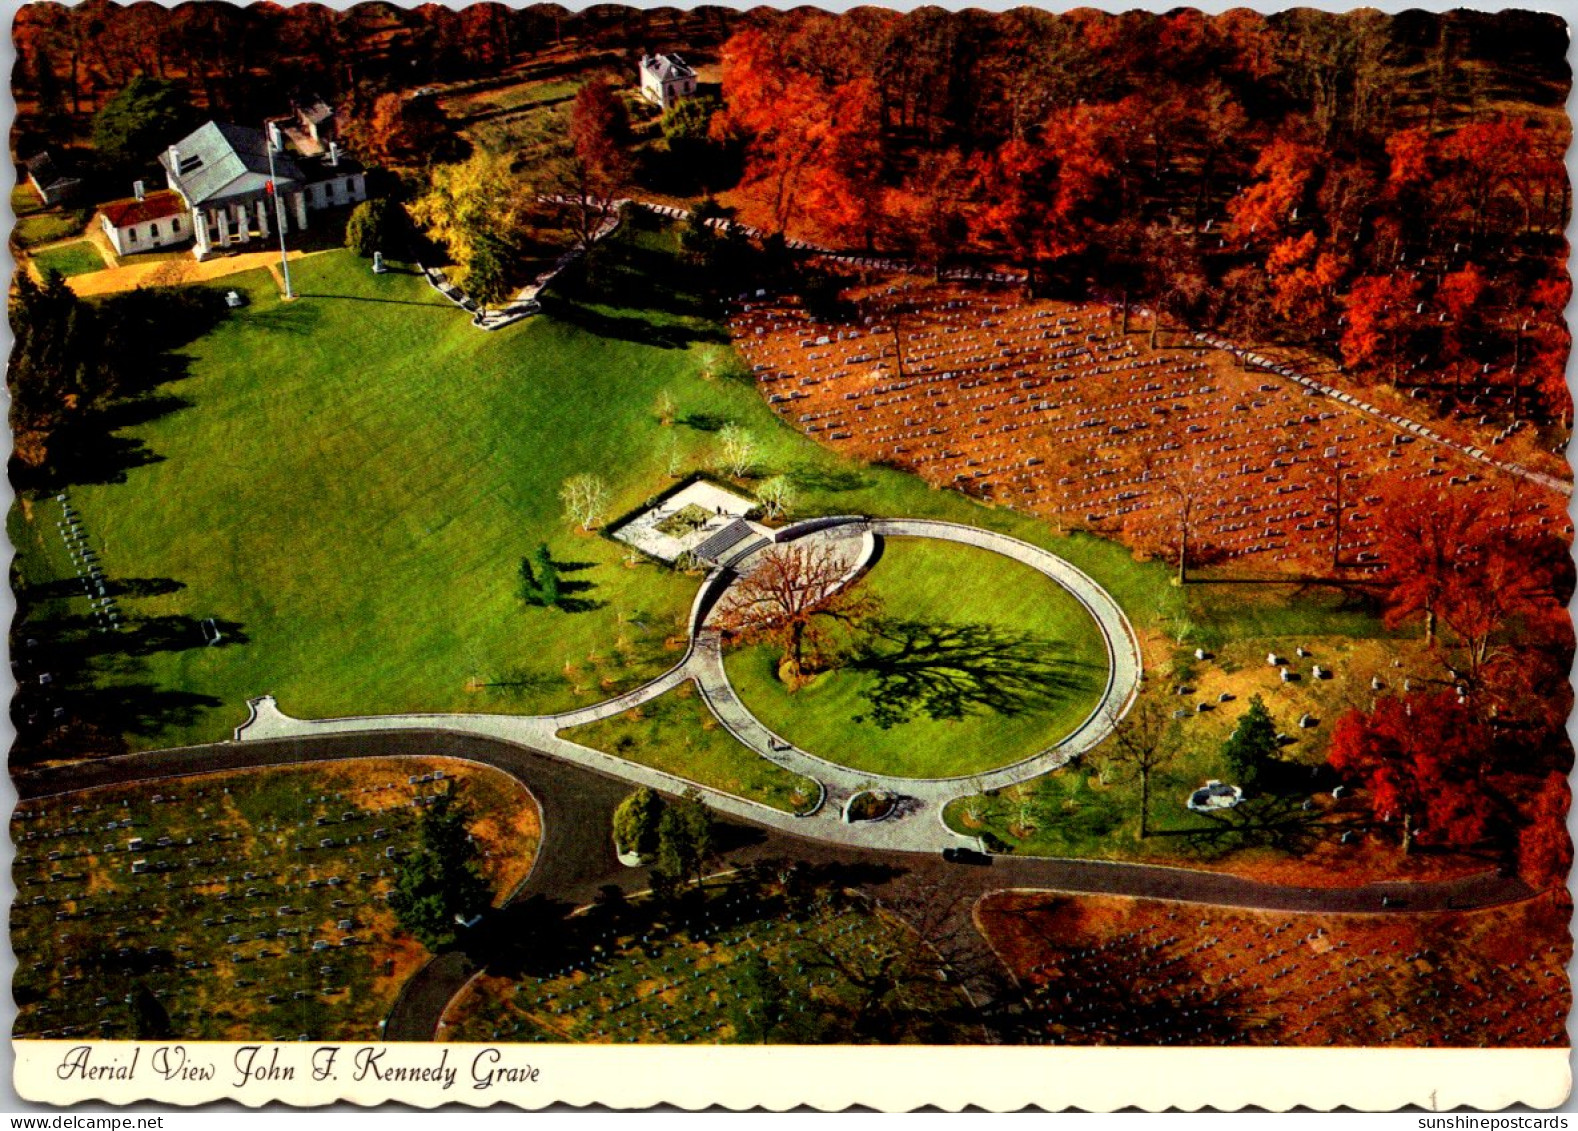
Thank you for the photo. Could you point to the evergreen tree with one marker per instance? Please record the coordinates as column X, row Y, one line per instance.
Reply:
column 148, row 115
column 1251, row 746
column 378, row 225
column 440, row 883
column 150, row 1020
column 636, row 822
column 685, row 839
column 549, row 591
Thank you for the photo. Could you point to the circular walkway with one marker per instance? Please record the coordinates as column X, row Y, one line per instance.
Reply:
column 1123, row 671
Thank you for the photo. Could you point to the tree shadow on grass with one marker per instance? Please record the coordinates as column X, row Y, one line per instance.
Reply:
column 703, row 421
column 520, row 683
column 568, row 601
column 945, row 671
column 1273, row 821
column 84, row 690
column 437, row 304
column 87, row 452
column 626, row 328
column 828, row 479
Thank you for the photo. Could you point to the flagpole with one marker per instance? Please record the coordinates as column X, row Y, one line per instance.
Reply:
column 279, row 208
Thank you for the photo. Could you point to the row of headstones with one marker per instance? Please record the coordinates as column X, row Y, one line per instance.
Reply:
column 85, row 561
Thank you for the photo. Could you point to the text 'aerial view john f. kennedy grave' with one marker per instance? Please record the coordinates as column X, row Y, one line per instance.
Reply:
column 557, row 548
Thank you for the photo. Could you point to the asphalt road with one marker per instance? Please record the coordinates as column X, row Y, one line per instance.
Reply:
column 576, row 864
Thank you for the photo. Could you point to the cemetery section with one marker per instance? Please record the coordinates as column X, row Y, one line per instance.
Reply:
column 740, row 961
column 237, row 906
column 1049, row 408
column 1081, row 811
column 1121, row 971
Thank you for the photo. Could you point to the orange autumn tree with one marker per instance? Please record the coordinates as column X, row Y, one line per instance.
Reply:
column 1420, row 759
column 1302, row 275
column 1380, row 313
column 811, row 142
column 924, row 212
column 1032, row 197
column 1264, row 209
column 1408, row 160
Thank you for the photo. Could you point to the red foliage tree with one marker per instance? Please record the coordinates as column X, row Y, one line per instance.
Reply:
column 1459, row 558
column 1380, row 310
column 599, row 131
column 1545, row 849
column 1487, row 159
column 1420, row 759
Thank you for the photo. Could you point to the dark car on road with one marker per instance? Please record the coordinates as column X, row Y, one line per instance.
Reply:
column 967, row 856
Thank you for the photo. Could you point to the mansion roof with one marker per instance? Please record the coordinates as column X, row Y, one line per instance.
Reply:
column 218, row 161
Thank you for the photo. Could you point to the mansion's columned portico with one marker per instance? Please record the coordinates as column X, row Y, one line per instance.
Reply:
column 237, row 191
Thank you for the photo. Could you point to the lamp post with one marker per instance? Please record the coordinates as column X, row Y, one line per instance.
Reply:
column 279, row 207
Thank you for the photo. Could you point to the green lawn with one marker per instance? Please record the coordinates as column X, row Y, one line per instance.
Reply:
column 79, row 257
column 933, row 583
column 351, row 479
column 678, row 735
column 36, row 224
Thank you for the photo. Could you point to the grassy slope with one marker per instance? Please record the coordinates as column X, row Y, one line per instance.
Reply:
column 933, row 582
column 360, row 472
column 675, row 733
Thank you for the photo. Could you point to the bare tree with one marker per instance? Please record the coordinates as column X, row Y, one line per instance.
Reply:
column 736, row 450
column 777, row 496
column 673, row 455
column 1182, row 484
column 1141, row 743
column 794, row 585
column 585, row 498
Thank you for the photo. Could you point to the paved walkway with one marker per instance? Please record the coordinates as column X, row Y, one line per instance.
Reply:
column 525, row 302
column 113, row 280
column 917, row 825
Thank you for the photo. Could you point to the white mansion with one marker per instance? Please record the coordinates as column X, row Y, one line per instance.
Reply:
column 227, row 178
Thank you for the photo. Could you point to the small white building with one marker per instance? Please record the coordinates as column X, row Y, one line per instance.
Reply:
column 665, row 79
column 145, row 222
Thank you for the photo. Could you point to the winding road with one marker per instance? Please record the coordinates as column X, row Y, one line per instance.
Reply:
column 576, row 862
